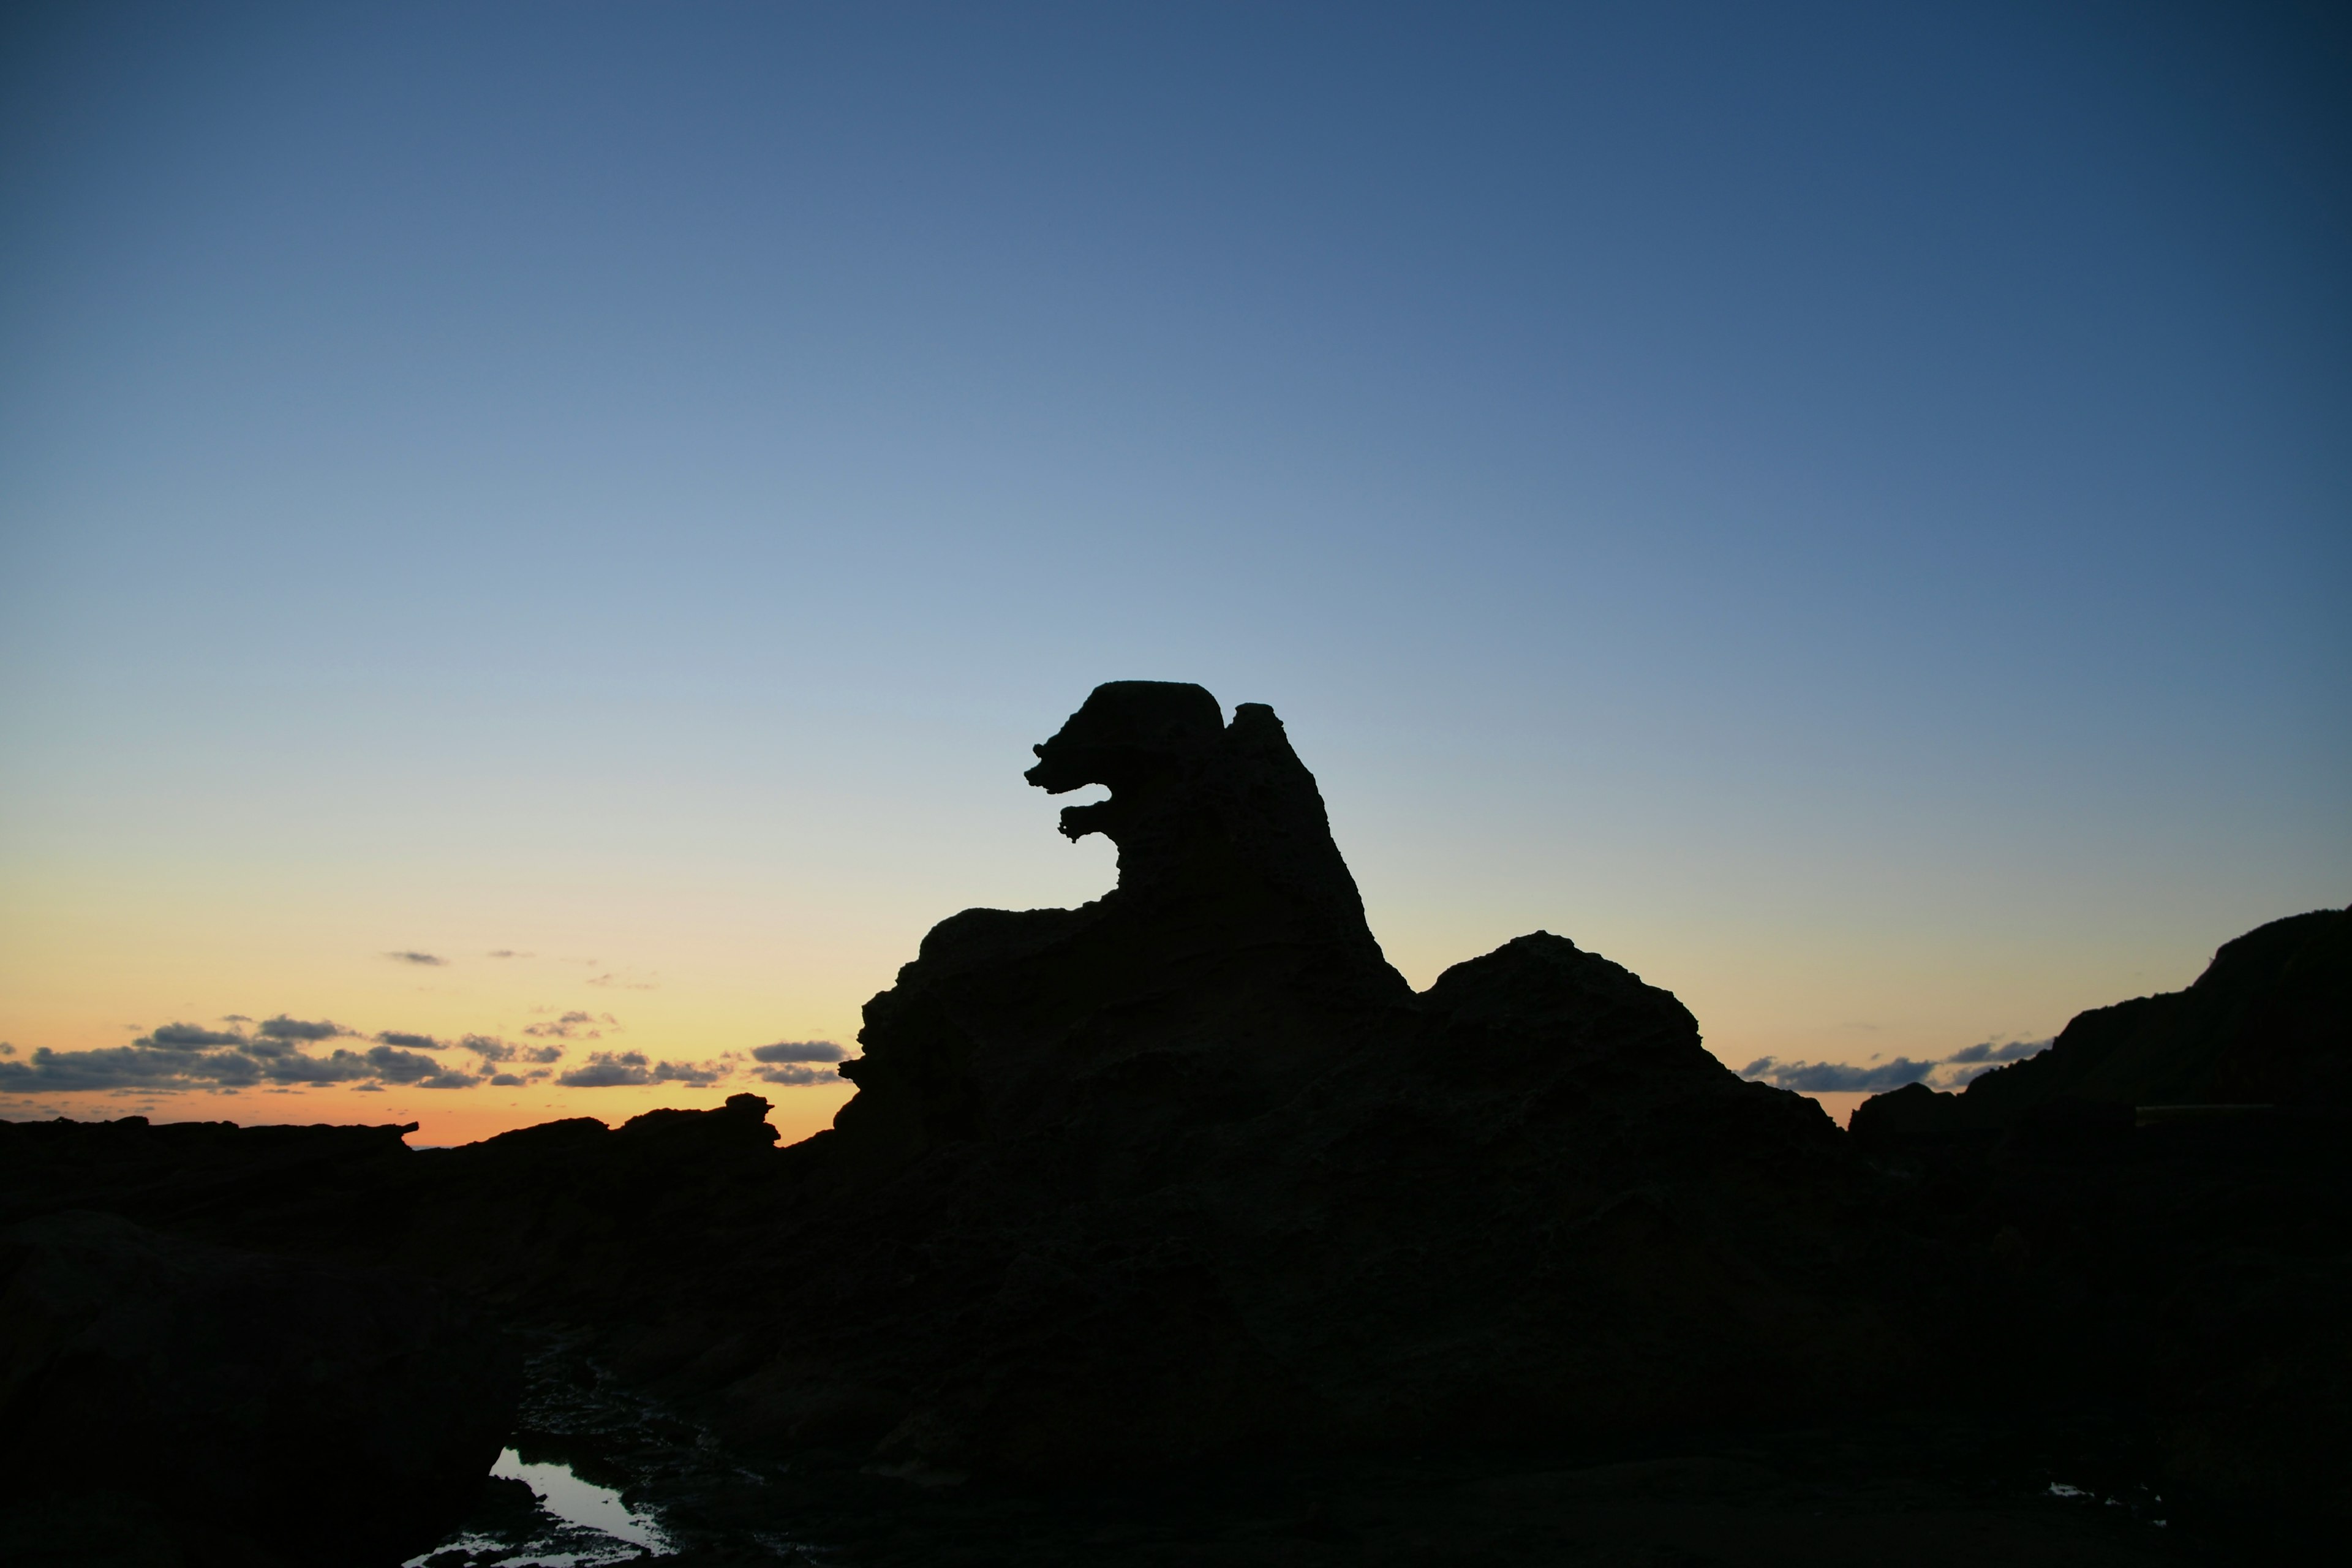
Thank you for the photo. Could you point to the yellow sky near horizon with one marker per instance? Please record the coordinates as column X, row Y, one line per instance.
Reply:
column 693, row 971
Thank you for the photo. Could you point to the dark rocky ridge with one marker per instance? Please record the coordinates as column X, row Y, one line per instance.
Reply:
column 1190, row 1177
column 1191, row 1173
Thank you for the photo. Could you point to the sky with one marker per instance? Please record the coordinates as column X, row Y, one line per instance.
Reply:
column 555, row 525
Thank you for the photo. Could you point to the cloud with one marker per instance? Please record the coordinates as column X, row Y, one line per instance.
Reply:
column 612, row 981
column 797, row 1075
column 575, row 1025
column 1827, row 1077
column 799, row 1051
column 235, row 1018
column 285, row 1052
column 432, row 960
column 187, row 1037
column 1830, row 1078
column 126, row 1066
column 608, row 1069
column 283, row 1027
column 184, row 1056
column 397, row 1065
column 2015, row 1050
column 505, row 952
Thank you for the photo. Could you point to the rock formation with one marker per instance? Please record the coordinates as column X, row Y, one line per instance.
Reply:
column 2155, row 1215
column 163, row 1399
column 1190, row 1176
column 2267, row 1026
column 1191, row 1173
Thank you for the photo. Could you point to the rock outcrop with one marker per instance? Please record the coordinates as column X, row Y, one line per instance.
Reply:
column 1190, row 1176
column 215, row 1407
column 1191, row 1173
column 2267, row 1026
column 2153, row 1216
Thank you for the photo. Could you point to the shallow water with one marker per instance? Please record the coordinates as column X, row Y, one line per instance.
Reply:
column 596, row 1474
column 575, row 1524
column 579, row 1503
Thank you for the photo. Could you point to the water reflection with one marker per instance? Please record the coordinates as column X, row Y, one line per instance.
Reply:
column 576, row 1502
column 577, row 1524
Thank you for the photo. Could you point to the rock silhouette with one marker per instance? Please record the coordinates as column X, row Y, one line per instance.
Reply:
column 1191, row 1173
column 2156, row 1213
column 215, row 1407
column 2268, row 1024
column 1190, row 1178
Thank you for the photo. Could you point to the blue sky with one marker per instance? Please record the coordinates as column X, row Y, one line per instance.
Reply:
column 1841, row 508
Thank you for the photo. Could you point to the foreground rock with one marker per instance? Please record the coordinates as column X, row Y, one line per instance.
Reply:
column 162, row 1399
column 2154, row 1217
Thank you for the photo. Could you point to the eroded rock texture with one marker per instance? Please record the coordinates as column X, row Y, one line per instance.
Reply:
column 1191, row 1173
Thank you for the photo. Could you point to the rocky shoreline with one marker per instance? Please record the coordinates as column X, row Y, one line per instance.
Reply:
column 1188, row 1183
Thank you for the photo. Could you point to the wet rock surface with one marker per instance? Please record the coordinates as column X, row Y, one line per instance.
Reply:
column 1177, row 1228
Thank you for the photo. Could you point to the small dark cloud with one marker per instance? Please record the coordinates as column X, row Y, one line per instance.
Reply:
column 505, row 952
column 542, row 1054
column 505, row 1079
column 576, row 1025
column 413, row 1042
column 450, row 1078
column 341, row 1067
column 235, row 1018
column 1992, row 1051
column 604, row 1069
column 186, row 1037
column 1824, row 1077
column 1832, row 1077
column 796, row 1075
column 367, row 1089
column 126, row 1066
column 283, row 1027
column 608, row 1069
column 490, row 1048
column 395, row 1066
column 799, row 1051
column 430, row 959
column 7, row 1049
